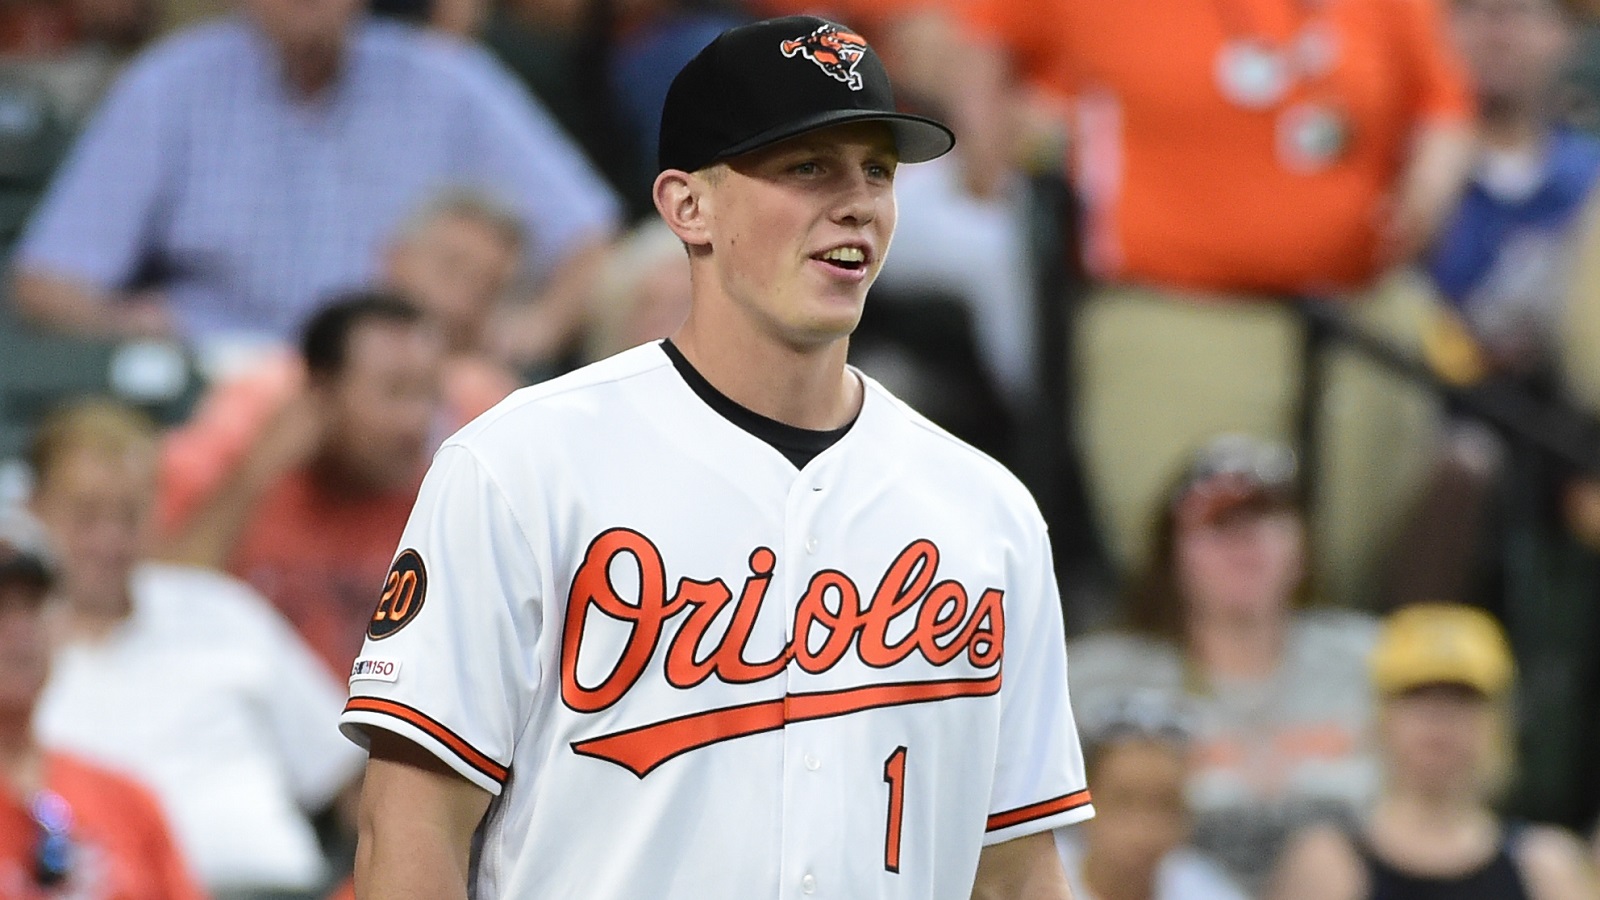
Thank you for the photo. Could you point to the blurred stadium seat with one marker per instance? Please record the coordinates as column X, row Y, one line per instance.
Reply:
column 41, row 369
column 33, row 138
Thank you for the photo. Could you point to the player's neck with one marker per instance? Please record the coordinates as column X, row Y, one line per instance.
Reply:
column 807, row 388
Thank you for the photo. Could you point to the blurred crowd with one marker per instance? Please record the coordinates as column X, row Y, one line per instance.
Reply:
column 1288, row 311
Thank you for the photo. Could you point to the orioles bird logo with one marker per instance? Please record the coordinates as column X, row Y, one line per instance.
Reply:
column 834, row 50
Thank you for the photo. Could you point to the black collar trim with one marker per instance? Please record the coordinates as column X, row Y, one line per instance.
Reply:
column 798, row 445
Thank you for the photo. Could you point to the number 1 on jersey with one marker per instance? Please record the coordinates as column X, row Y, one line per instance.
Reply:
column 894, row 774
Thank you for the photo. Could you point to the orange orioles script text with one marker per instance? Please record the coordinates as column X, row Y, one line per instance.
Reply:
column 947, row 625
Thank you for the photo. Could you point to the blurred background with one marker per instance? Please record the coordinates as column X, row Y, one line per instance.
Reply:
column 1288, row 312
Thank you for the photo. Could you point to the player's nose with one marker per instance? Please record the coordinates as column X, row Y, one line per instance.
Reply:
column 857, row 199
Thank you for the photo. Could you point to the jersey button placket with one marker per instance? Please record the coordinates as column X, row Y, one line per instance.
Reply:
column 802, row 543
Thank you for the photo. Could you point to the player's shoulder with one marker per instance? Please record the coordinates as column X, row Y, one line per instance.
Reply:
column 586, row 395
column 919, row 441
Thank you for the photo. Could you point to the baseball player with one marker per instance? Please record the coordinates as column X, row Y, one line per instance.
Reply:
column 718, row 618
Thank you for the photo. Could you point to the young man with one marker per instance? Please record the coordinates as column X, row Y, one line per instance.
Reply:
column 184, row 678
column 718, row 618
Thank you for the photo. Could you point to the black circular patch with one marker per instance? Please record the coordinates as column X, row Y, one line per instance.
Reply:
column 404, row 589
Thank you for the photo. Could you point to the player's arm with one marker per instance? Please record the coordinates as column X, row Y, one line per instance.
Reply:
column 1025, row 868
column 415, row 824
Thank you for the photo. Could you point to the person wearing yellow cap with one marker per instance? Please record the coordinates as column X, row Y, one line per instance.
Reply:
column 1443, row 675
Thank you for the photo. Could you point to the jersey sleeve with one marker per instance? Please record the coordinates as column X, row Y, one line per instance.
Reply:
column 448, row 661
column 1039, row 781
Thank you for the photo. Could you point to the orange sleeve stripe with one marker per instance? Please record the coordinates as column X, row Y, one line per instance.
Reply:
column 1040, row 810
column 433, row 729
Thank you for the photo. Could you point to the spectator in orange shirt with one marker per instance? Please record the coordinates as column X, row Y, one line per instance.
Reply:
column 310, row 515
column 67, row 828
column 1230, row 155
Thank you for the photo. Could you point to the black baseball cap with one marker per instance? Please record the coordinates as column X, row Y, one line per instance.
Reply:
column 768, row 81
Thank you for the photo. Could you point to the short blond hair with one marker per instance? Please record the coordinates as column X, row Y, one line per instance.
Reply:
column 107, row 428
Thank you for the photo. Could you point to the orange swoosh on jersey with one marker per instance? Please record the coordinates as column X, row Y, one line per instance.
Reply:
column 639, row 750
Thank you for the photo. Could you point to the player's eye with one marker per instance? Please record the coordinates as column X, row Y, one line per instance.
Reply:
column 809, row 167
column 880, row 172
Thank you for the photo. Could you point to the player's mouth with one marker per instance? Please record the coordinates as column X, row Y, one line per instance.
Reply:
column 845, row 258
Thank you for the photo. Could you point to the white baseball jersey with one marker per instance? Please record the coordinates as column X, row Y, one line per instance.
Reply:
column 686, row 669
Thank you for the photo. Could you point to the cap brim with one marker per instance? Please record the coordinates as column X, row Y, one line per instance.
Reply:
column 916, row 139
column 1482, row 683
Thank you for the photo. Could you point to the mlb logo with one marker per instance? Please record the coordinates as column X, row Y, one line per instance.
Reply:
column 374, row 669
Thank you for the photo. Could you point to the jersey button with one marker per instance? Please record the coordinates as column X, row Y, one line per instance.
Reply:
column 812, row 762
column 808, row 884
column 811, row 545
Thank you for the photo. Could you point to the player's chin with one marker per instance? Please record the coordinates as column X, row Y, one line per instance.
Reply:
column 824, row 326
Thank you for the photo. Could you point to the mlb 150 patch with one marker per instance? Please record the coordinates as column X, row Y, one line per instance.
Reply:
column 370, row 668
column 404, row 590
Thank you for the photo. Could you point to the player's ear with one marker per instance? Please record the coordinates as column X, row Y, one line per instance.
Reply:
column 681, row 199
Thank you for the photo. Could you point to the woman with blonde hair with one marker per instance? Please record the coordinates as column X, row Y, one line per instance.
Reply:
column 1443, row 675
